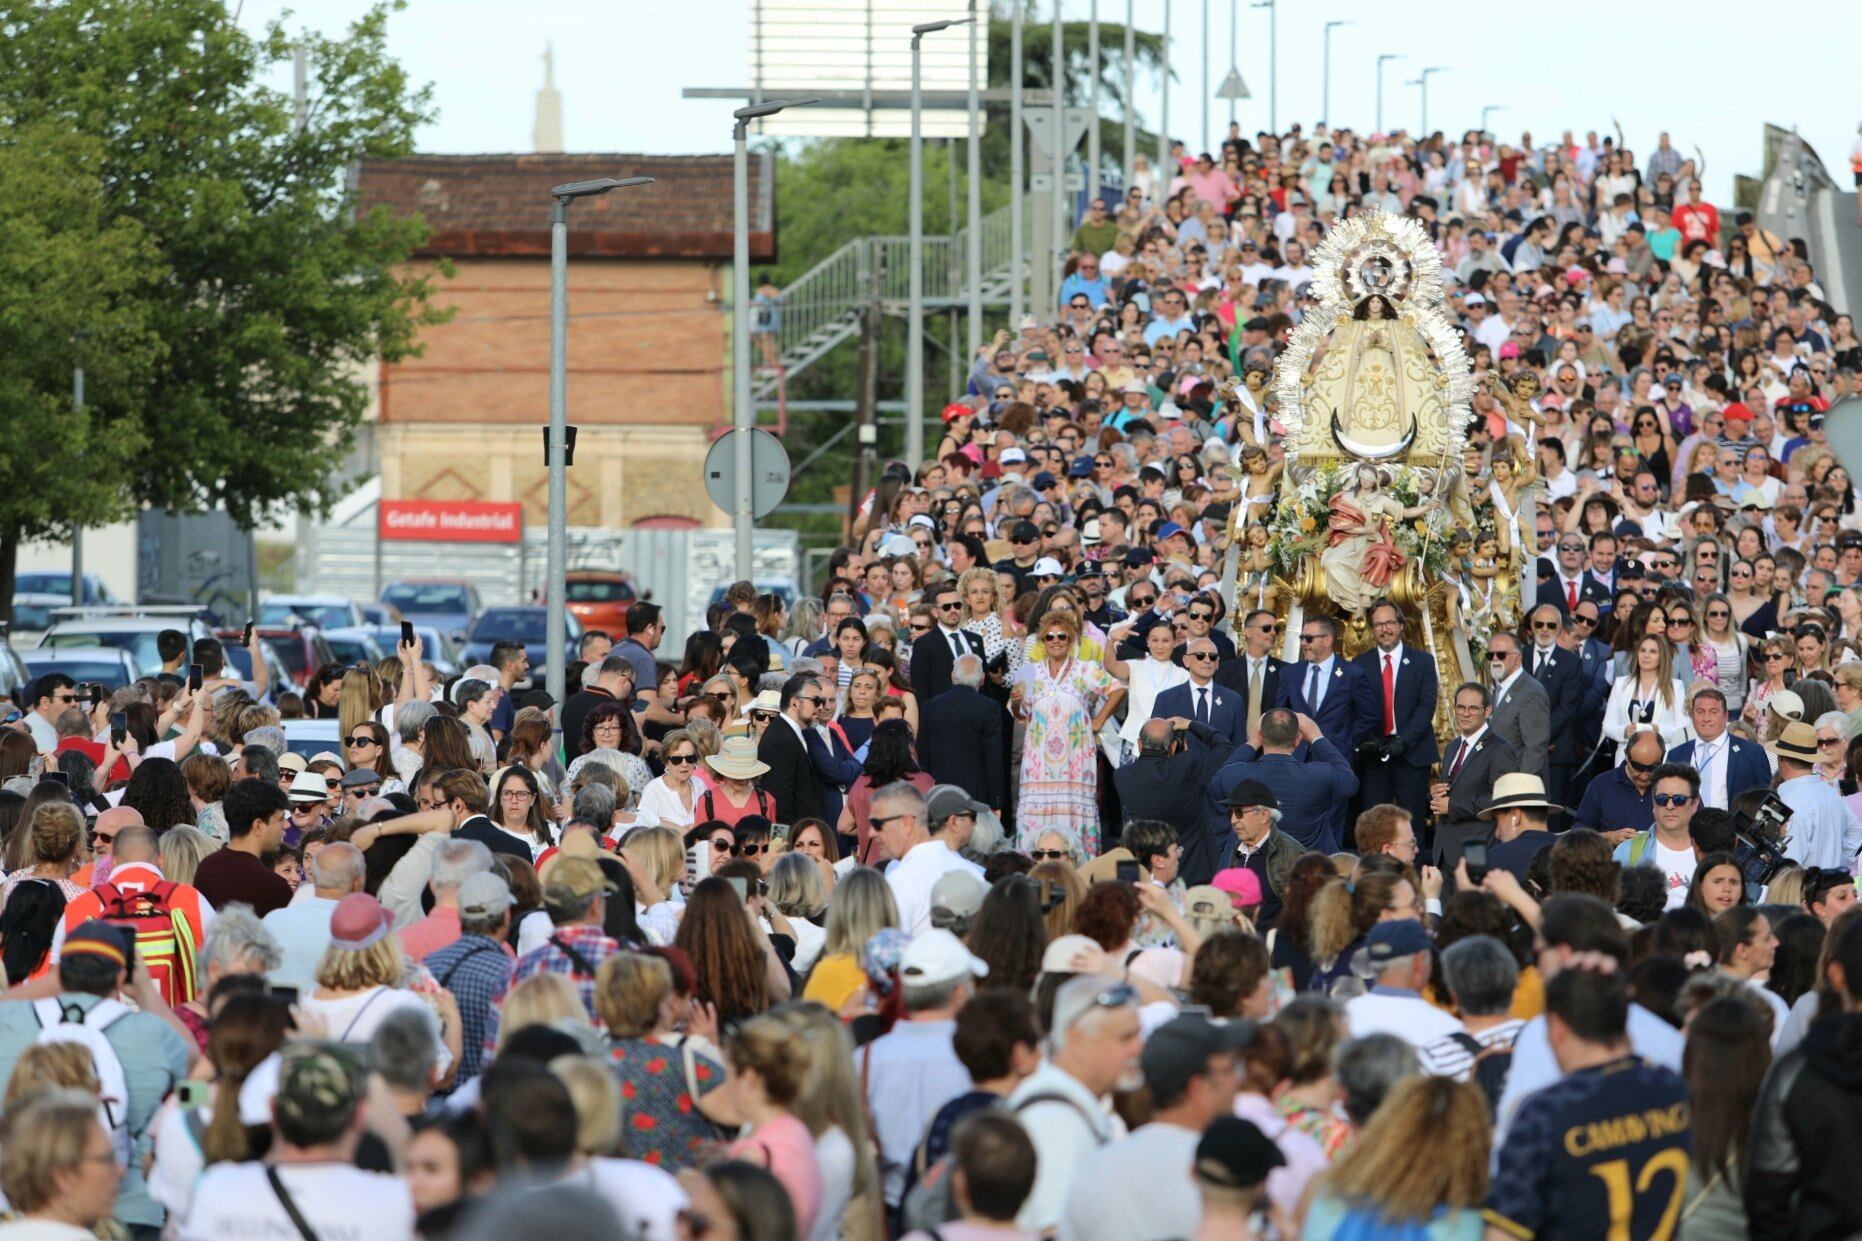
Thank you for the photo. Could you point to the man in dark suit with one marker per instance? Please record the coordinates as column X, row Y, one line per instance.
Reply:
column 960, row 736
column 1600, row 575
column 1563, row 582
column 1336, row 695
column 464, row 795
column 1311, row 790
column 1394, row 760
column 791, row 778
column 1200, row 698
column 1476, row 759
column 1176, row 760
column 1559, row 671
column 1522, row 712
column 934, row 652
column 1728, row 765
column 1255, row 673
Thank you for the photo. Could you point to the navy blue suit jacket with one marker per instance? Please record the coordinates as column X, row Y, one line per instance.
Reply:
column 1227, row 709
column 1746, row 764
column 1416, row 690
column 1563, row 680
column 1350, row 709
column 1312, row 789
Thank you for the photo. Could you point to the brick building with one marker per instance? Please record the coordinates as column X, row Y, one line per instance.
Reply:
column 649, row 331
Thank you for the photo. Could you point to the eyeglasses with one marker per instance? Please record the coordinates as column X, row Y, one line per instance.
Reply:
column 952, row 606
column 681, row 760
column 1570, row 547
column 1311, row 637
column 879, row 824
column 1545, row 626
column 1718, row 614
column 366, row 791
column 1144, row 602
column 1200, row 656
column 1588, row 622
column 1633, row 765
column 1202, row 616
column 360, row 739
column 1683, row 622
column 748, row 850
column 721, row 844
column 1827, row 743
column 65, row 697
column 1774, row 657
column 101, row 839
column 1057, row 637
column 810, row 698
column 1048, row 855
column 1672, row 799
column 516, row 795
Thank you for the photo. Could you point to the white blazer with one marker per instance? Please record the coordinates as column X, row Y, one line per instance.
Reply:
column 1670, row 720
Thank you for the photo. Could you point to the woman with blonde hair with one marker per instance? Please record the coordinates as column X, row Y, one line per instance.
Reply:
column 1419, row 1168
column 986, row 614
column 671, row 1081
column 360, row 979
column 1065, row 701
column 1342, row 917
column 772, row 1067
column 1775, row 675
column 862, row 906
column 655, row 857
column 1648, row 695
column 541, row 1000
column 1061, row 892
column 55, row 837
column 797, row 890
column 359, row 699
column 597, row 1099
column 832, row 1105
column 58, row 1165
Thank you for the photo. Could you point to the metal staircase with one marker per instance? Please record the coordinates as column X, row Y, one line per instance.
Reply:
column 821, row 308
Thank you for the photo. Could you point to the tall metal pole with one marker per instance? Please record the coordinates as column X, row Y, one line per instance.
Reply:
column 1234, row 50
column 556, row 556
column 1325, row 98
column 1273, row 63
column 77, row 528
column 1423, row 81
column 1203, row 142
column 973, row 176
column 1017, row 172
column 1488, row 110
column 1386, row 56
column 1092, row 131
column 1060, row 238
column 1131, row 108
column 915, row 309
column 1163, row 123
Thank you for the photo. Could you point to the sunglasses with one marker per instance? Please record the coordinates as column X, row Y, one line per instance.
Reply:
column 879, row 824
column 1048, row 855
column 1589, row 621
column 1681, row 621
column 1633, row 765
column 1311, row 637
column 1200, row 656
column 360, row 739
column 681, row 760
column 721, row 844
column 1545, row 626
column 1672, row 799
column 921, row 629
column 748, row 850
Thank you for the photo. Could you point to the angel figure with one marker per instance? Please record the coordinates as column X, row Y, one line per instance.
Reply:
column 1361, row 557
column 1484, row 568
column 1513, row 476
column 1515, row 396
column 1260, row 480
column 1257, row 566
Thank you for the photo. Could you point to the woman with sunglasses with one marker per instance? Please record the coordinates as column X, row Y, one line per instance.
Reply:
column 1775, row 674
column 672, row 798
column 1833, row 747
column 1728, row 649
column 1691, row 660
column 517, row 809
column 1066, row 701
column 1648, row 695
column 365, row 747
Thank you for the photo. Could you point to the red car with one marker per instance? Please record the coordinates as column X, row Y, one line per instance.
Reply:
column 599, row 598
column 301, row 651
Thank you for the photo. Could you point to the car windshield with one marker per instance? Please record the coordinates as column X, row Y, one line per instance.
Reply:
column 32, row 616
column 324, row 616
column 109, row 673
column 43, row 583
column 290, row 652
column 510, row 625
column 600, row 591
column 141, row 644
column 439, row 597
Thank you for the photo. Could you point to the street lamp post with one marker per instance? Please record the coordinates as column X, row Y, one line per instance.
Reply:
column 1423, row 82
column 914, row 334
column 1386, row 56
column 1057, row 214
column 1017, row 175
column 77, row 527
column 1163, row 122
column 1488, row 110
column 1203, row 145
column 1273, row 63
column 1131, row 109
column 556, row 569
column 973, row 177
column 1092, row 94
column 1325, row 95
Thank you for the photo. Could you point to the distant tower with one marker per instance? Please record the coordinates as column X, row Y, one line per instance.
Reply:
column 546, row 138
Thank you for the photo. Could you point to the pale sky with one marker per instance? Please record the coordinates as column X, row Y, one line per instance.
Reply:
column 1712, row 74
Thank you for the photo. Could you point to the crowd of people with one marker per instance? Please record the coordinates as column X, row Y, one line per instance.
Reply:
column 1016, row 882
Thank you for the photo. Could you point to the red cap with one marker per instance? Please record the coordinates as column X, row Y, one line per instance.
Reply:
column 1736, row 412
column 956, row 410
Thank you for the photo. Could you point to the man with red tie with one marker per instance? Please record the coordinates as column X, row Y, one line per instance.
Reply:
column 1477, row 758
column 1567, row 584
column 1394, row 760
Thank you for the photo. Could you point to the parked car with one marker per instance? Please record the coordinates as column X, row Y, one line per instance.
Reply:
column 313, row 737
column 58, row 582
column 239, row 659
column 32, row 614
column 323, row 611
column 529, row 625
column 438, row 648
column 301, row 651
column 109, row 666
column 13, row 675
column 128, row 628
column 379, row 614
column 355, row 644
column 447, row 604
column 599, row 598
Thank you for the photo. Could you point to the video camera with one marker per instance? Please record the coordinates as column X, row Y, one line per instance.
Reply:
column 1758, row 835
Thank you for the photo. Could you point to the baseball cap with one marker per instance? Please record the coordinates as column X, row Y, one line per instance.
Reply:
column 484, row 895
column 956, row 410
column 1082, row 467
column 359, row 921
column 1474, row 299
column 1043, row 480
column 1024, row 532
column 1012, row 454
column 99, row 939
column 1138, row 556
column 574, row 879
column 937, row 956
column 958, row 893
column 1057, row 957
column 944, row 800
column 1235, row 1154
column 1207, row 901
column 1510, row 349
column 1391, row 941
column 1169, row 529
column 1240, row 883
column 1047, row 566
column 318, row 1080
column 1180, row 1049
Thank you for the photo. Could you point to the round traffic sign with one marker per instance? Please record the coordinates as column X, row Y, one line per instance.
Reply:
column 769, row 471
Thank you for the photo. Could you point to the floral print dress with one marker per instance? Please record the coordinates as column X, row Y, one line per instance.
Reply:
column 1060, row 754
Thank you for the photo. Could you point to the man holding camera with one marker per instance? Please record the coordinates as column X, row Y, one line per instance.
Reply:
column 1177, row 757
column 1822, row 830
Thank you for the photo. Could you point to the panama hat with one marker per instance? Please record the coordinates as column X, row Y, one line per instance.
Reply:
column 737, row 760
column 1797, row 741
column 1519, row 790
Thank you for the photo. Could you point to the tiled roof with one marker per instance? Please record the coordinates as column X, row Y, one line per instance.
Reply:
column 500, row 204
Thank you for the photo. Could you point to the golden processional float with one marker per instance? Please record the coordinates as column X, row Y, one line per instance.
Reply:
column 1380, row 494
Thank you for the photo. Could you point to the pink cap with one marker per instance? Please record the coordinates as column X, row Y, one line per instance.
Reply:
column 1242, row 885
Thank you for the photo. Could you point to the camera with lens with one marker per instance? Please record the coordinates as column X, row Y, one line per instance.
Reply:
column 1758, row 834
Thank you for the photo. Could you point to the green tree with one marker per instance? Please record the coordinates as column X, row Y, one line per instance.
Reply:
column 266, row 293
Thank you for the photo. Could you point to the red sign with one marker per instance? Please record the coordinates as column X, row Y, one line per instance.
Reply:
column 452, row 521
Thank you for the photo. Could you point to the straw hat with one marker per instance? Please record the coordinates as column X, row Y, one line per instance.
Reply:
column 1519, row 789
column 737, row 760
column 1798, row 741
column 769, row 700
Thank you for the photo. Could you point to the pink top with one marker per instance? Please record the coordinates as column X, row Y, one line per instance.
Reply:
column 431, row 933
column 787, row 1149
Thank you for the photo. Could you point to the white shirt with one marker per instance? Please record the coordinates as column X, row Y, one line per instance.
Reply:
column 647, row 1198
column 1710, row 762
column 910, row 1073
column 44, row 736
column 1823, row 831
column 1505, row 687
column 1391, row 1010
column 1677, row 867
column 1780, row 1011
column 662, row 803
column 1139, row 1186
column 1065, row 1135
column 913, row 876
column 302, row 930
column 340, row 1202
column 1314, row 687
